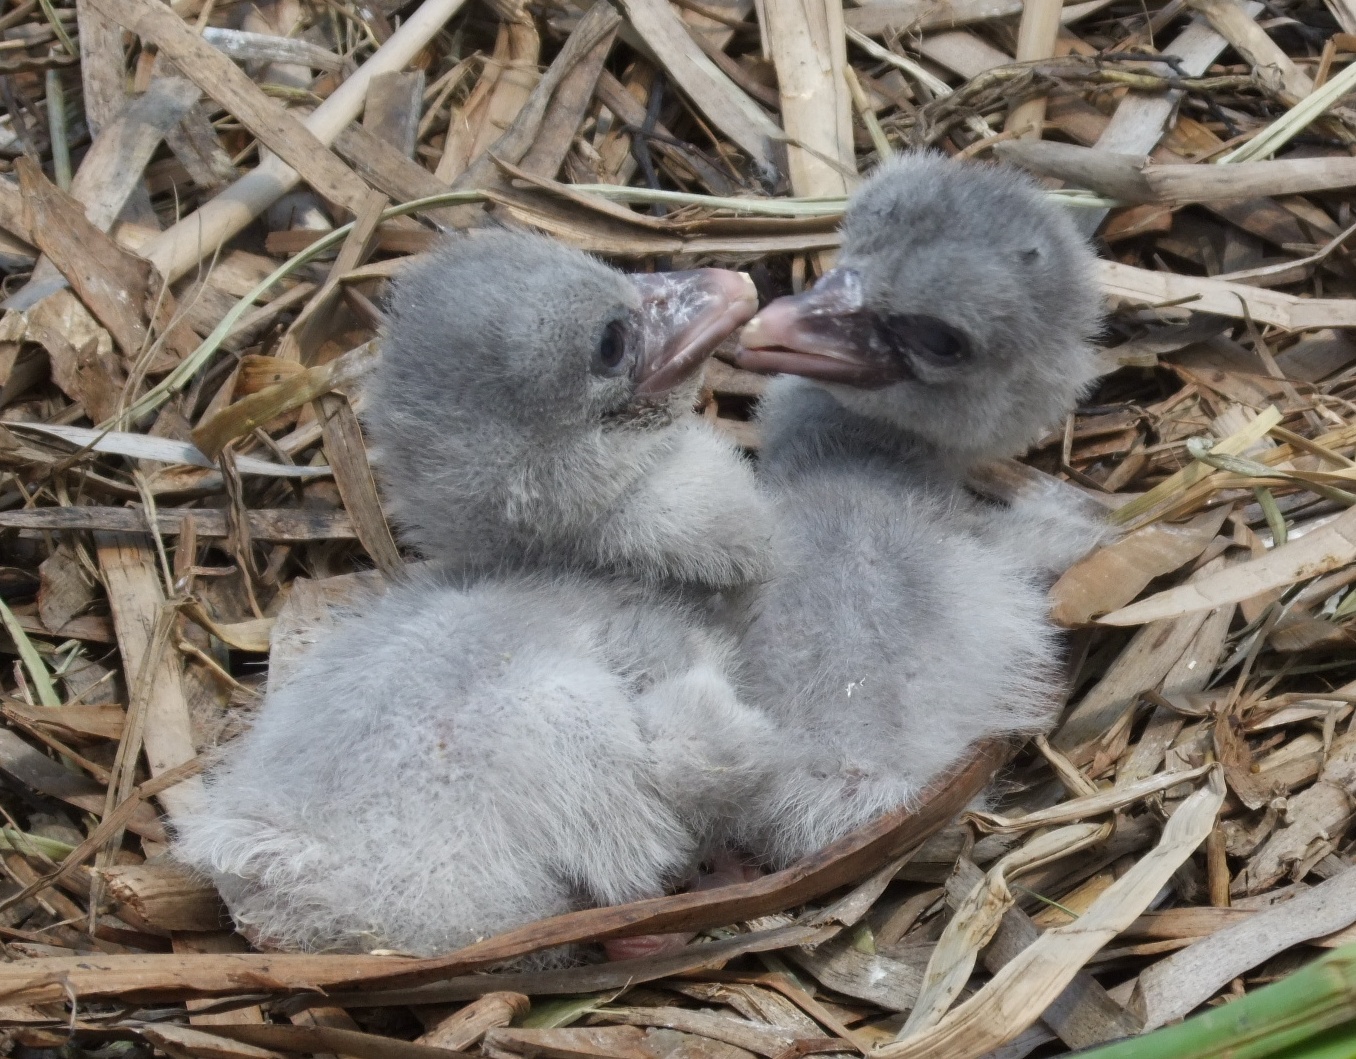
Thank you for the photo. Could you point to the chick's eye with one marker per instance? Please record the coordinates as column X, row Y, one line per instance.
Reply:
column 942, row 343
column 611, row 349
column 929, row 337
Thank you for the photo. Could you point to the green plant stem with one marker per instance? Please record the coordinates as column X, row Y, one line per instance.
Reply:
column 56, row 129
column 37, row 671
column 1286, row 1018
column 1280, row 533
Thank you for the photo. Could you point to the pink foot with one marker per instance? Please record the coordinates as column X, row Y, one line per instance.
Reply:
column 644, row 945
column 726, row 869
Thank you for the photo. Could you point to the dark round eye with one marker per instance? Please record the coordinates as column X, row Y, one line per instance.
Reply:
column 935, row 339
column 611, row 348
column 928, row 337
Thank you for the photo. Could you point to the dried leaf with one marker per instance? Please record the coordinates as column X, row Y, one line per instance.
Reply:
column 1114, row 575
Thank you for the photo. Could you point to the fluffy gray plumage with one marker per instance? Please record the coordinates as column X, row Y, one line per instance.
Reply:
column 452, row 763
column 508, row 453
column 907, row 620
column 464, row 756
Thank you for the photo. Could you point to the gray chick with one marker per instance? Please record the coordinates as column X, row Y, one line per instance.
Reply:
column 460, row 758
column 908, row 617
column 487, row 462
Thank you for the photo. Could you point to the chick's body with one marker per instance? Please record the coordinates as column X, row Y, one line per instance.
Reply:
column 451, row 762
column 907, row 617
column 542, row 722
column 893, row 637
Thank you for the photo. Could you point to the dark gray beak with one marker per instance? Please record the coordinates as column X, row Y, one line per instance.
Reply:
column 826, row 333
column 684, row 316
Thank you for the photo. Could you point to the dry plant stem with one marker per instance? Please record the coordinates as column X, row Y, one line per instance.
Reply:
column 1313, row 816
column 463, row 122
column 1286, row 311
column 1076, row 809
column 1145, row 662
column 810, row 53
column 1175, row 986
column 1015, row 996
column 862, row 103
column 101, row 66
column 313, row 323
column 568, row 106
column 977, row 917
column 1131, row 179
column 111, row 824
column 598, row 24
column 1290, row 124
column 1036, row 37
column 463, row 1029
column 119, row 788
column 1325, row 549
column 357, row 488
column 112, row 168
column 264, row 1041
column 1141, row 118
column 1236, row 25
column 935, row 85
column 178, row 250
column 37, row 772
column 229, row 85
column 1243, row 439
column 137, row 600
column 516, row 79
column 1084, row 1014
column 183, row 1042
column 879, row 18
column 119, row 287
column 56, row 125
column 723, row 102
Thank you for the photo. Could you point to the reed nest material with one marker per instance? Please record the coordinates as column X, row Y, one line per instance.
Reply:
column 201, row 204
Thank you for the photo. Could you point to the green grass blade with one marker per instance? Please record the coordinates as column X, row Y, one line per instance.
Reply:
column 42, row 682
column 565, row 1011
column 1336, row 1043
column 1279, row 1020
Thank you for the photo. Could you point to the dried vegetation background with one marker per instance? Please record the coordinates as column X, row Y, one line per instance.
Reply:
column 200, row 206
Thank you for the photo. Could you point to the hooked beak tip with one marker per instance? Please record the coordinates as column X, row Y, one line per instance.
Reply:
column 818, row 334
column 690, row 314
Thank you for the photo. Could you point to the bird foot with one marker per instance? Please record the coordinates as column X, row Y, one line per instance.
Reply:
column 645, row 945
column 726, row 869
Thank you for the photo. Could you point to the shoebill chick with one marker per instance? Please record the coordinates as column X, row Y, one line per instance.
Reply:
column 908, row 620
column 459, row 758
column 486, row 461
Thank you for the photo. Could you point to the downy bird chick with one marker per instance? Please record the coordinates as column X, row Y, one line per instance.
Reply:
column 908, row 618
column 482, row 471
column 458, row 759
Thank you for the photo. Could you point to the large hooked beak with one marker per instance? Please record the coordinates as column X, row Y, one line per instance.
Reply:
column 684, row 316
column 826, row 333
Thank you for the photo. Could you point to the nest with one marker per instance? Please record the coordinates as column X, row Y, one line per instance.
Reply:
column 202, row 203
